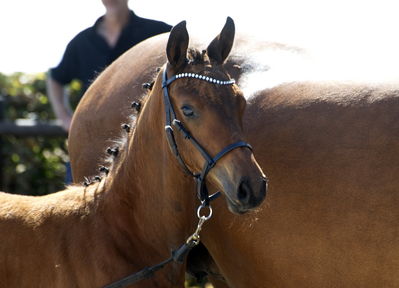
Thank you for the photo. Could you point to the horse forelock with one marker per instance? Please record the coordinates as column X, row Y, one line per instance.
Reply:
column 195, row 56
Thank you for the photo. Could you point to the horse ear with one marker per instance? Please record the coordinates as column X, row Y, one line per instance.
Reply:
column 221, row 46
column 176, row 49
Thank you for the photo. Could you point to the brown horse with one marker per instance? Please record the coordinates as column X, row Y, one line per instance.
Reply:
column 92, row 235
column 331, row 152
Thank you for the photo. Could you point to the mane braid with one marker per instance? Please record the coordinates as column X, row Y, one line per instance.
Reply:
column 120, row 143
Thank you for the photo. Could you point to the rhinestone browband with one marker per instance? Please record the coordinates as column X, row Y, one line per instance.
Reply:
column 205, row 78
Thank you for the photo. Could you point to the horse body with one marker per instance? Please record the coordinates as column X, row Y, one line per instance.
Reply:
column 93, row 235
column 330, row 150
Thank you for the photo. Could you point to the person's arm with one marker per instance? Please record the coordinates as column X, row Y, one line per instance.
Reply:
column 58, row 100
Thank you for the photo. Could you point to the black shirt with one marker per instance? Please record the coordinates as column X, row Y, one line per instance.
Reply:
column 88, row 53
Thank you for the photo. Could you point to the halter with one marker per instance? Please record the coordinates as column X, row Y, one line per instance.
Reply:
column 210, row 162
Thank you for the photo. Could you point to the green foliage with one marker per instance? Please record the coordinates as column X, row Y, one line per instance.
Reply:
column 30, row 165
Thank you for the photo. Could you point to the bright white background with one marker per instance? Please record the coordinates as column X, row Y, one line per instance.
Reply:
column 34, row 33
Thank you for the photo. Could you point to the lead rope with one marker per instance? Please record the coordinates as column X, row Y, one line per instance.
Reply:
column 177, row 255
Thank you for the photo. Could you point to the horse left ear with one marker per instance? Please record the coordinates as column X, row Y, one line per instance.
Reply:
column 221, row 46
column 176, row 49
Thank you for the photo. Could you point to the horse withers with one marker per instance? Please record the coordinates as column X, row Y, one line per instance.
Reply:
column 143, row 205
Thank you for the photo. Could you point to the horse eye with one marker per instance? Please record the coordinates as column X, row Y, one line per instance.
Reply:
column 187, row 111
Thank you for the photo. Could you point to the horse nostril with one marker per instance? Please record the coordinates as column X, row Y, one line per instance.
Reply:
column 244, row 192
column 263, row 188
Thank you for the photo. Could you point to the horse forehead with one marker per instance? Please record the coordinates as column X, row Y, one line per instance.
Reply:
column 208, row 93
column 206, row 88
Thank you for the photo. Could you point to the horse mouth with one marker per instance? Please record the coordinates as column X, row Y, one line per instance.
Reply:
column 234, row 207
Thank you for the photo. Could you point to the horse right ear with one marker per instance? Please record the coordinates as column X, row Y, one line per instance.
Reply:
column 176, row 49
column 221, row 46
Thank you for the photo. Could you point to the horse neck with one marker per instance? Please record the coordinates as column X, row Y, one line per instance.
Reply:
column 147, row 185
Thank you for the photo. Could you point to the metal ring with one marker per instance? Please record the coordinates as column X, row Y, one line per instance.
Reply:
column 205, row 217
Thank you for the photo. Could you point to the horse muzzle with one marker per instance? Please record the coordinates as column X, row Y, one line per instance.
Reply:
column 247, row 196
column 243, row 184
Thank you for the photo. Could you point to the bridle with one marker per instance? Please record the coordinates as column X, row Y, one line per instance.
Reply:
column 179, row 254
column 210, row 162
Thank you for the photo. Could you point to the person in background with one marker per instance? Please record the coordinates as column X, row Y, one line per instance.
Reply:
column 93, row 49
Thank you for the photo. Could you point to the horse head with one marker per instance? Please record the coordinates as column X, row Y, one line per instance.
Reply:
column 204, row 110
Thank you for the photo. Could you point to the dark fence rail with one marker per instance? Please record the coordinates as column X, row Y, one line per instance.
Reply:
column 31, row 128
column 28, row 127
